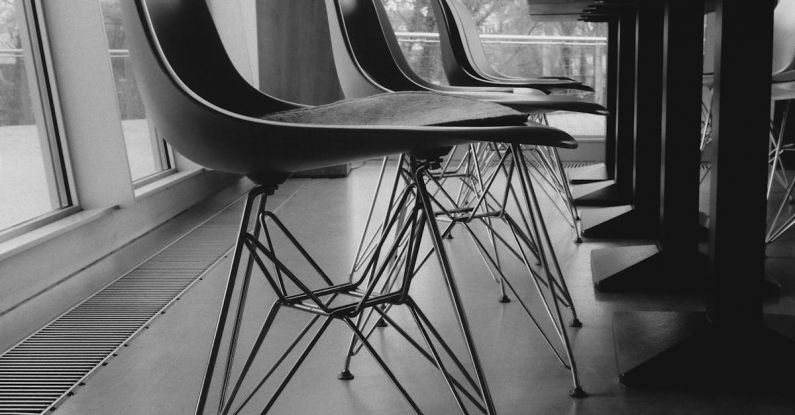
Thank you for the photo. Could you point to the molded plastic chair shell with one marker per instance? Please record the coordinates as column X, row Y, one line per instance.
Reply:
column 371, row 54
column 464, row 59
column 196, row 100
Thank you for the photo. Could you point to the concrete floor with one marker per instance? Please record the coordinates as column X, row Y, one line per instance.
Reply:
column 161, row 370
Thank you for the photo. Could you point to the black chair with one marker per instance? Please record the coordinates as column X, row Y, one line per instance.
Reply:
column 375, row 51
column 369, row 60
column 465, row 62
column 197, row 101
column 369, row 38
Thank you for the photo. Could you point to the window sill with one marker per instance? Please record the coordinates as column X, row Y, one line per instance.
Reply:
column 47, row 232
column 164, row 183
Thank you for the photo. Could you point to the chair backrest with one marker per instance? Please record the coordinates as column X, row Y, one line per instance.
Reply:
column 462, row 50
column 354, row 80
column 186, row 34
column 784, row 37
column 374, row 44
column 196, row 100
column 194, row 97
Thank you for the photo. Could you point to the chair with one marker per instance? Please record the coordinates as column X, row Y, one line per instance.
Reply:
column 365, row 54
column 377, row 53
column 465, row 62
column 199, row 103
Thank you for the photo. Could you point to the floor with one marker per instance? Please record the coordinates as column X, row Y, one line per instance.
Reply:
column 160, row 372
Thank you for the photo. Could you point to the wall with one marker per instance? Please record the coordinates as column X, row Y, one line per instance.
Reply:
column 295, row 59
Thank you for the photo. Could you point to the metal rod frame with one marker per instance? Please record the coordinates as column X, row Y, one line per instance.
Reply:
column 376, row 288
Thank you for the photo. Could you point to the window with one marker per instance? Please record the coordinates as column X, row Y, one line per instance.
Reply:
column 147, row 154
column 517, row 42
column 416, row 31
column 33, row 172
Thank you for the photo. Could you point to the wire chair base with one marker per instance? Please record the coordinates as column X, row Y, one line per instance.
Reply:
column 381, row 285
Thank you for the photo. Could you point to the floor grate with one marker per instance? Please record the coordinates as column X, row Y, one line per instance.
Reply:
column 43, row 369
column 578, row 164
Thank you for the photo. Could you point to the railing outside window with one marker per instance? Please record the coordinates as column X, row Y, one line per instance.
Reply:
column 578, row 57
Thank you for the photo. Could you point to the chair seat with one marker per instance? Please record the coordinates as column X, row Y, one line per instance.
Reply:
column 783, row 91
column 528, row 103
column 406, row 109
column 787, row 76
column 707, row 79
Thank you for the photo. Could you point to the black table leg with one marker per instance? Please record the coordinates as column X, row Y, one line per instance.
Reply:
column 632, row 267
column 728, row 347
column 622, row 155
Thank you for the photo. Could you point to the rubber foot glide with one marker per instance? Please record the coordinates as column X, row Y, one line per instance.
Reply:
column 578, row 241
column 577, row 392
column 575, row 323
column 345, row 375
column 505, row 299
column 381, row 323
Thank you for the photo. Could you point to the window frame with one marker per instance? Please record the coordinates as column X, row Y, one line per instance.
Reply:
column 163, row 155
column 40, row 76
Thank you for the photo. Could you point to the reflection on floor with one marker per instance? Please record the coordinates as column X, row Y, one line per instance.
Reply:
column 160, row 372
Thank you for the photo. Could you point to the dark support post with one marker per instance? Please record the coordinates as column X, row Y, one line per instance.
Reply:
column 681, row 125
column 631, row 267
column 739, row 175
column 597, row 173
column 625, row 143
column 728, row 347
column 612, row 89
column 620, row 192
column 648, row 107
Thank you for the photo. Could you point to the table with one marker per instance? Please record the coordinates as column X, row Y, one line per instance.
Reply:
column 729, row 345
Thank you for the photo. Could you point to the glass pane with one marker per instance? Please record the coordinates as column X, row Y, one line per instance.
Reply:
column 27, row 185
column 517, row 44
column 415, row 27
column 143, row 149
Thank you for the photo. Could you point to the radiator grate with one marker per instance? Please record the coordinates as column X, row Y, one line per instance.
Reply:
column 46, row 367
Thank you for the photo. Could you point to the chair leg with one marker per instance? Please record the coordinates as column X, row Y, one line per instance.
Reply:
column 444, row 262
column 250, row 360
column 504, row 278
column 540, row 227
column 297, row 364
column 431, row 360
column 228, row 294
column 272, row 369
column 241, row 306
column 541, row 235
column 396, row 261
column 437, row 359
column 575, row 214
column 384, row 367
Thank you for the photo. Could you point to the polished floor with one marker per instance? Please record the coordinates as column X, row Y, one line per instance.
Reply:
column 161, row 370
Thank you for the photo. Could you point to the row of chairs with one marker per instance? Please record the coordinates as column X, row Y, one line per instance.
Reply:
column 198, row 102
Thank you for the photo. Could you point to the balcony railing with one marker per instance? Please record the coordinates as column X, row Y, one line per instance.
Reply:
column 431, row 37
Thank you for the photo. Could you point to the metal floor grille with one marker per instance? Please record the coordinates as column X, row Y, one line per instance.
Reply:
column 578, row 164
column 40, row 371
